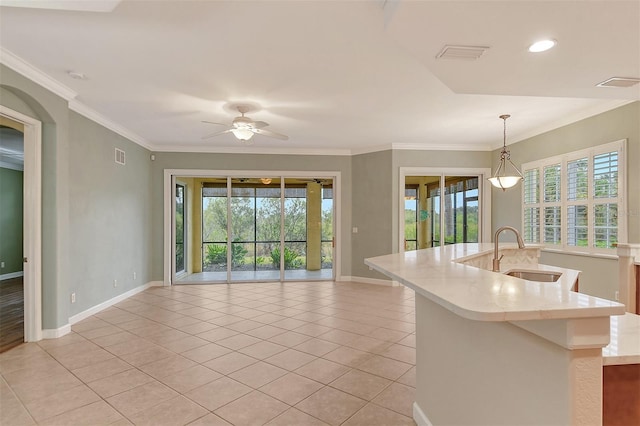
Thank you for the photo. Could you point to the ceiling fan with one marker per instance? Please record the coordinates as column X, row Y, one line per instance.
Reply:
column 244, row 128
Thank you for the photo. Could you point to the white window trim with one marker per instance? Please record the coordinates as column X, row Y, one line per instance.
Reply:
column 619, row 146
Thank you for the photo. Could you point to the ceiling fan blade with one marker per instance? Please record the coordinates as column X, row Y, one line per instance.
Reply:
column 213, row 122
column 260, row 124
column 270, row 134
column 216, row 134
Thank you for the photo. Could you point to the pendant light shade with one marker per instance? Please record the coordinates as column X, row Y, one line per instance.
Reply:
column 507, row 174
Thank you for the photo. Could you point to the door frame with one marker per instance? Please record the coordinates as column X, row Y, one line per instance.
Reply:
column 484, row 195
column 169, row 201
column 184, row 227
column 32, row 225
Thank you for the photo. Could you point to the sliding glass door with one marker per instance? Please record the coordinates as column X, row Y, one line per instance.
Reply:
column 262, row 229
column 432, row 219
column 214, row 218
column 460, row 209
column 308, row 229
column 180, row 230
column 255, row 229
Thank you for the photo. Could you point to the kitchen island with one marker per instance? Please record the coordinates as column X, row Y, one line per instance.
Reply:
column 496, row 349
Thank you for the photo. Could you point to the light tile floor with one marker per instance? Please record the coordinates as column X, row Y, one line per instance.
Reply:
column 299, row 354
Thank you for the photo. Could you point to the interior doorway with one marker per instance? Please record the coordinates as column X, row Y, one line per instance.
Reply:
column 26, row 255
column 245, row 228
column 11, row 231
column 440, row 207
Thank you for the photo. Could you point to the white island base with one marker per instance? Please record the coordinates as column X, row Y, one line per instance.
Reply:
column 496, row 373
column 497, row 350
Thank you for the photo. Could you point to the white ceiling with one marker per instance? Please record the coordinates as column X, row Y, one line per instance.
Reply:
column 336, row 76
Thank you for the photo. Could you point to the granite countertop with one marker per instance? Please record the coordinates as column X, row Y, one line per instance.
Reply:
column 482, row 295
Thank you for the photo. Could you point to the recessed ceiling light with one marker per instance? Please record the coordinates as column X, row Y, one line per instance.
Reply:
column 542, row 46
column 76, row 75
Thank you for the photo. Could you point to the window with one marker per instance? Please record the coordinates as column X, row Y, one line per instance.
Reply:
column 571, row 202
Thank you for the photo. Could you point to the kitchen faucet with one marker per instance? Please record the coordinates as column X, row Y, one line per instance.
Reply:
column 496, row 259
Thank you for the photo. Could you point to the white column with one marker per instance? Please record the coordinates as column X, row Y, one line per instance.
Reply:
column 628, row 254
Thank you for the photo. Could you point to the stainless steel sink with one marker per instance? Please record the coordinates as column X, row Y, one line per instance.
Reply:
column 540, row 276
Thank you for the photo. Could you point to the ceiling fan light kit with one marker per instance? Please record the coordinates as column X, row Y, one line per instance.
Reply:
column 243, row 128
column 502, row 178
column 242, row 133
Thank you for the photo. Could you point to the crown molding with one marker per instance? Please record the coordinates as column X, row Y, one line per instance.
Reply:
column 73, row 5
column 244, row 149
column 450, row 147
column 38, row 76
column 93, row 115
column 34, row 74
column 370, row 149
column 420, row 147
column 592, row 111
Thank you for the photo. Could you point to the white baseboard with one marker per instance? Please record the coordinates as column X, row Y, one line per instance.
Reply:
column 366, row 280
column 419, row 416
column 155, row 283
column 54, row 333
column 104, row 305
column 11, row 275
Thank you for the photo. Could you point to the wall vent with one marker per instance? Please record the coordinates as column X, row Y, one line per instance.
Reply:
column 119, row 156
column 619, row 82
column 461, row 52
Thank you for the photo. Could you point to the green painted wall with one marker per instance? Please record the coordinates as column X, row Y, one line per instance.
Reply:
column 96, row 218
column 599, row 275
column 110, row 236
column 372, row 210
column 11, row 220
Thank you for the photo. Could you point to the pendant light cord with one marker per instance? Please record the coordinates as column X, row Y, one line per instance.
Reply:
column 504, row 154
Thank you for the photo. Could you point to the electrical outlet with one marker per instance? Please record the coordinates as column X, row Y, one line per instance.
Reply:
column 115, row 283
column 617, row 296
column 134, row 276
column 1, row 264
column 73, row 298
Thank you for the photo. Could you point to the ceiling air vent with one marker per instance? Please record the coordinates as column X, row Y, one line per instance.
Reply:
column 461, row 52
column 119, row 156
column 619, row 82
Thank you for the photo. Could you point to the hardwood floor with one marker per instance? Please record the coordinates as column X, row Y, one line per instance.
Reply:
column 11, row 313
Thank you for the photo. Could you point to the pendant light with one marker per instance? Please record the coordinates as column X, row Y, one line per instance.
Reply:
column 502, row 178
